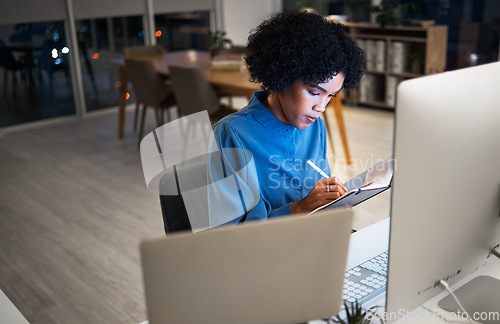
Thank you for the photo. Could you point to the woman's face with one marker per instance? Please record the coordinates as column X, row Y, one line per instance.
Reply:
column 301, row 104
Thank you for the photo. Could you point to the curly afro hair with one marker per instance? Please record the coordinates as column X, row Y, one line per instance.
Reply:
column 302, row 46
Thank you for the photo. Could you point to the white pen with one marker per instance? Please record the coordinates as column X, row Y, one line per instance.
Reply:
column 315, row 167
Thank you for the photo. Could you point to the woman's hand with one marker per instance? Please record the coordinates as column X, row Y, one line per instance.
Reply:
column 323, row 192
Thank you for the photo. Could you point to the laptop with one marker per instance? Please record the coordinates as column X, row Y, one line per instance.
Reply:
column 286, row 270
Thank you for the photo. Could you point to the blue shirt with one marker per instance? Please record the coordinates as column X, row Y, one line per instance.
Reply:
column 280, row 153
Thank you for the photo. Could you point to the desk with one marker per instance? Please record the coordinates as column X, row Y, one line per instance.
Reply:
column 9, row 313
column 373, row 240
column 363, row 245
column 228, row 82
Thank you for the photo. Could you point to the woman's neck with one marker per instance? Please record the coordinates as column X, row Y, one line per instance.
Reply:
column 273, row 104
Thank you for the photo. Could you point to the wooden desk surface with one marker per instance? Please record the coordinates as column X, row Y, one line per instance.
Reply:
column 187, row 58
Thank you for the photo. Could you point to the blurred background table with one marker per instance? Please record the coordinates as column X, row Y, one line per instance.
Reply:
column 233, row 82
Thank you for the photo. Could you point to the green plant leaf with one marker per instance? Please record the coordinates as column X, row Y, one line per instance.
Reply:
column 356, row 315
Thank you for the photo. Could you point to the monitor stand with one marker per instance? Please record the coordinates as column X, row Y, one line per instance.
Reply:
column 479, row 296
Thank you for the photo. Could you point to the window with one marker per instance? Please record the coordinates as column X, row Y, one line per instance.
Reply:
column 34, row 62
column 100, row 40
column 180, row 31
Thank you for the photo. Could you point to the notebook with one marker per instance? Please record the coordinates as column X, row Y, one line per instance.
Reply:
column 366, row 185
column 286, row 270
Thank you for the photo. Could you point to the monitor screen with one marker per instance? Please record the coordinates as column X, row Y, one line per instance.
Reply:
column 446, row 187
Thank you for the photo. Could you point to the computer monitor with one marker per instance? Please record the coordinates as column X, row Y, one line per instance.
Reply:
column 445, row 209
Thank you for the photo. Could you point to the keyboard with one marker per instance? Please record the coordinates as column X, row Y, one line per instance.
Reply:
column 366, row 280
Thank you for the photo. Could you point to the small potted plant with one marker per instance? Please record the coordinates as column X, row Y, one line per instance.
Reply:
column 218, row 42
column 417, row 62
column 355, row 314
column 388, row 12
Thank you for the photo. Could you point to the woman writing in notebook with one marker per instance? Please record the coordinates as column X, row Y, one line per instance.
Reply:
column 301, row 60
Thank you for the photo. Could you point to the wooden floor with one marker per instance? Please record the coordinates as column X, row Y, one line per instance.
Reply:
column 74, row 208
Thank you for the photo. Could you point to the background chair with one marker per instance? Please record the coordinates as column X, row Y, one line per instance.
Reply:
column 194, row 93
column 11, row 65
column 150, row 90
column 142, row 52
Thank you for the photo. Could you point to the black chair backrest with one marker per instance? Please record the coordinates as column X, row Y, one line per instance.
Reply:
column 174, row 213
column 187, row 175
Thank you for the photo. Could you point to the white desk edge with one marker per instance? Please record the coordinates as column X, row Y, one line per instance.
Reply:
column 9, row 313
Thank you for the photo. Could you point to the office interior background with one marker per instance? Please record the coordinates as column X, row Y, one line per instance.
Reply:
column 54, row 56
column 73, row 205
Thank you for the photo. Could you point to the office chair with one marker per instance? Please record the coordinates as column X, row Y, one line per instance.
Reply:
column 150, row 90
column 187, row 175
column 190, row 176
column 173, row 209
column 194, row 93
